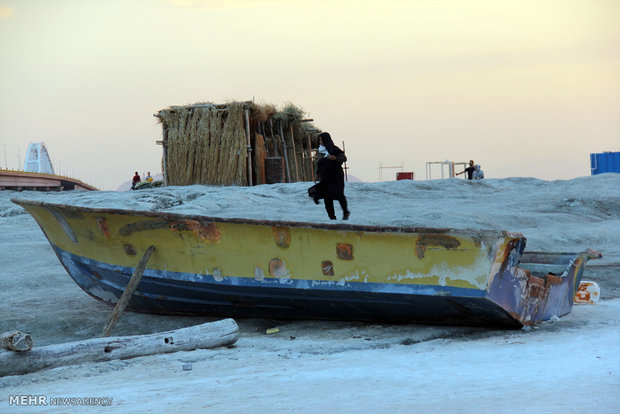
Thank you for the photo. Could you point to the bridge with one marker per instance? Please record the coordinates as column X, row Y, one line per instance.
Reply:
column 38, row 174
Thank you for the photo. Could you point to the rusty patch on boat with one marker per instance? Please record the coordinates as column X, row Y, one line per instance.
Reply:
column 277, row 268
column 344, row 251
column 554, row 280
column 208, row 231
column 282, row 236
column 436, row 240
column 327, row 267
column 144, row 225
column 129, row 249
column 535, row 286
column 102, row 223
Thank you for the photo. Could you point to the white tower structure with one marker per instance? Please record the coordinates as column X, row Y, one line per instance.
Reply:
column 37, row 159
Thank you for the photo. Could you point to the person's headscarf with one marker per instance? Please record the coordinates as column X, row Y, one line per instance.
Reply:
column 329, row 143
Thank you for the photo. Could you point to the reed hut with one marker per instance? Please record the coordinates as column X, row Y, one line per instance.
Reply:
column 237, row 143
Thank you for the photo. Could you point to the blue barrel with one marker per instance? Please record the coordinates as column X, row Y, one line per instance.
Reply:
column 605, row 162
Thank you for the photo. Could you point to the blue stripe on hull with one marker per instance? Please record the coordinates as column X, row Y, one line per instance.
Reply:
column 191, row 294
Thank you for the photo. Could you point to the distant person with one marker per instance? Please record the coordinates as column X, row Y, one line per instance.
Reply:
column 135, row 180
column 478, row 173
column 148, row 178
column 469, row 170
column 331, row 176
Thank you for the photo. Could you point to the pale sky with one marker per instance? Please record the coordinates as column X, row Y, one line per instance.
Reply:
column 525, row 88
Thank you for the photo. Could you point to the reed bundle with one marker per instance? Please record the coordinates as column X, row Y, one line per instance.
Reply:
column 206, row 143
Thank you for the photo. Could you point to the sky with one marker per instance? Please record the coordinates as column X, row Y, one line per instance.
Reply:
column 525, row 88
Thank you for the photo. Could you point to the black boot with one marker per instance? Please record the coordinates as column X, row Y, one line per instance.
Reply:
column 345, row 210
column 329, row 207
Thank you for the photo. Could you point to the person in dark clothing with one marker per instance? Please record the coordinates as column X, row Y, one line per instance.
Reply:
column 469, row 170
column 331, row 176
column 135, row 180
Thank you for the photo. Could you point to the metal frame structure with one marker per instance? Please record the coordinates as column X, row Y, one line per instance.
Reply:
column 451, row 168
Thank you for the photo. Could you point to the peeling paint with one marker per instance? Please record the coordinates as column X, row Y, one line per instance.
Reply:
column 439, row 240
column 327, row 267
column 344, row 251
column 277, row 268
column 64, row 224
column 129, row 249
column 103, row 294
column 349, row 278
column 217, row 275
column 102, row 223
column 143, row 225
column 473, row 276
column 259, row 274
column 282, row 236
column 209, row 231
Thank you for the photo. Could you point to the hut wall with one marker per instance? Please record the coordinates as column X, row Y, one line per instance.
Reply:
column 208, row 144
column 205, row 145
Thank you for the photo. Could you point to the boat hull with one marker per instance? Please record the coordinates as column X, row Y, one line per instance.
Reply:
column 175, row 294
column 286, row 270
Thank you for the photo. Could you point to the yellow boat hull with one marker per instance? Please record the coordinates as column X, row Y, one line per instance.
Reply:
column 249, row 268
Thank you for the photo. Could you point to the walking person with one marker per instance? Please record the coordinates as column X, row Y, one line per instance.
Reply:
column 331, row 176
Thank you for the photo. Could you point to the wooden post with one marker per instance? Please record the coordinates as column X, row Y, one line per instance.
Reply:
column 128, row 293
column 165, row 152
column 265, row 138
column 288, row 172
column 346, row 177
column 259, row 158
column 273, row 139
column 249, row 155
column 16, row 341
column 294, row 153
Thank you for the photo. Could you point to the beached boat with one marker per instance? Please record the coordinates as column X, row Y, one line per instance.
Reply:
column 288, row 270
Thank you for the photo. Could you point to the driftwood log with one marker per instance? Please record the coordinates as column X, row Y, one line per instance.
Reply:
column 208, row 335
column 16, row 341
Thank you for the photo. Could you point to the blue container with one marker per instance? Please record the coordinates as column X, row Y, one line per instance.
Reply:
column 605, row 162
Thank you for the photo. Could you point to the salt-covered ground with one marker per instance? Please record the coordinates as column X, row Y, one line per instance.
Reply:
column 571, row 364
